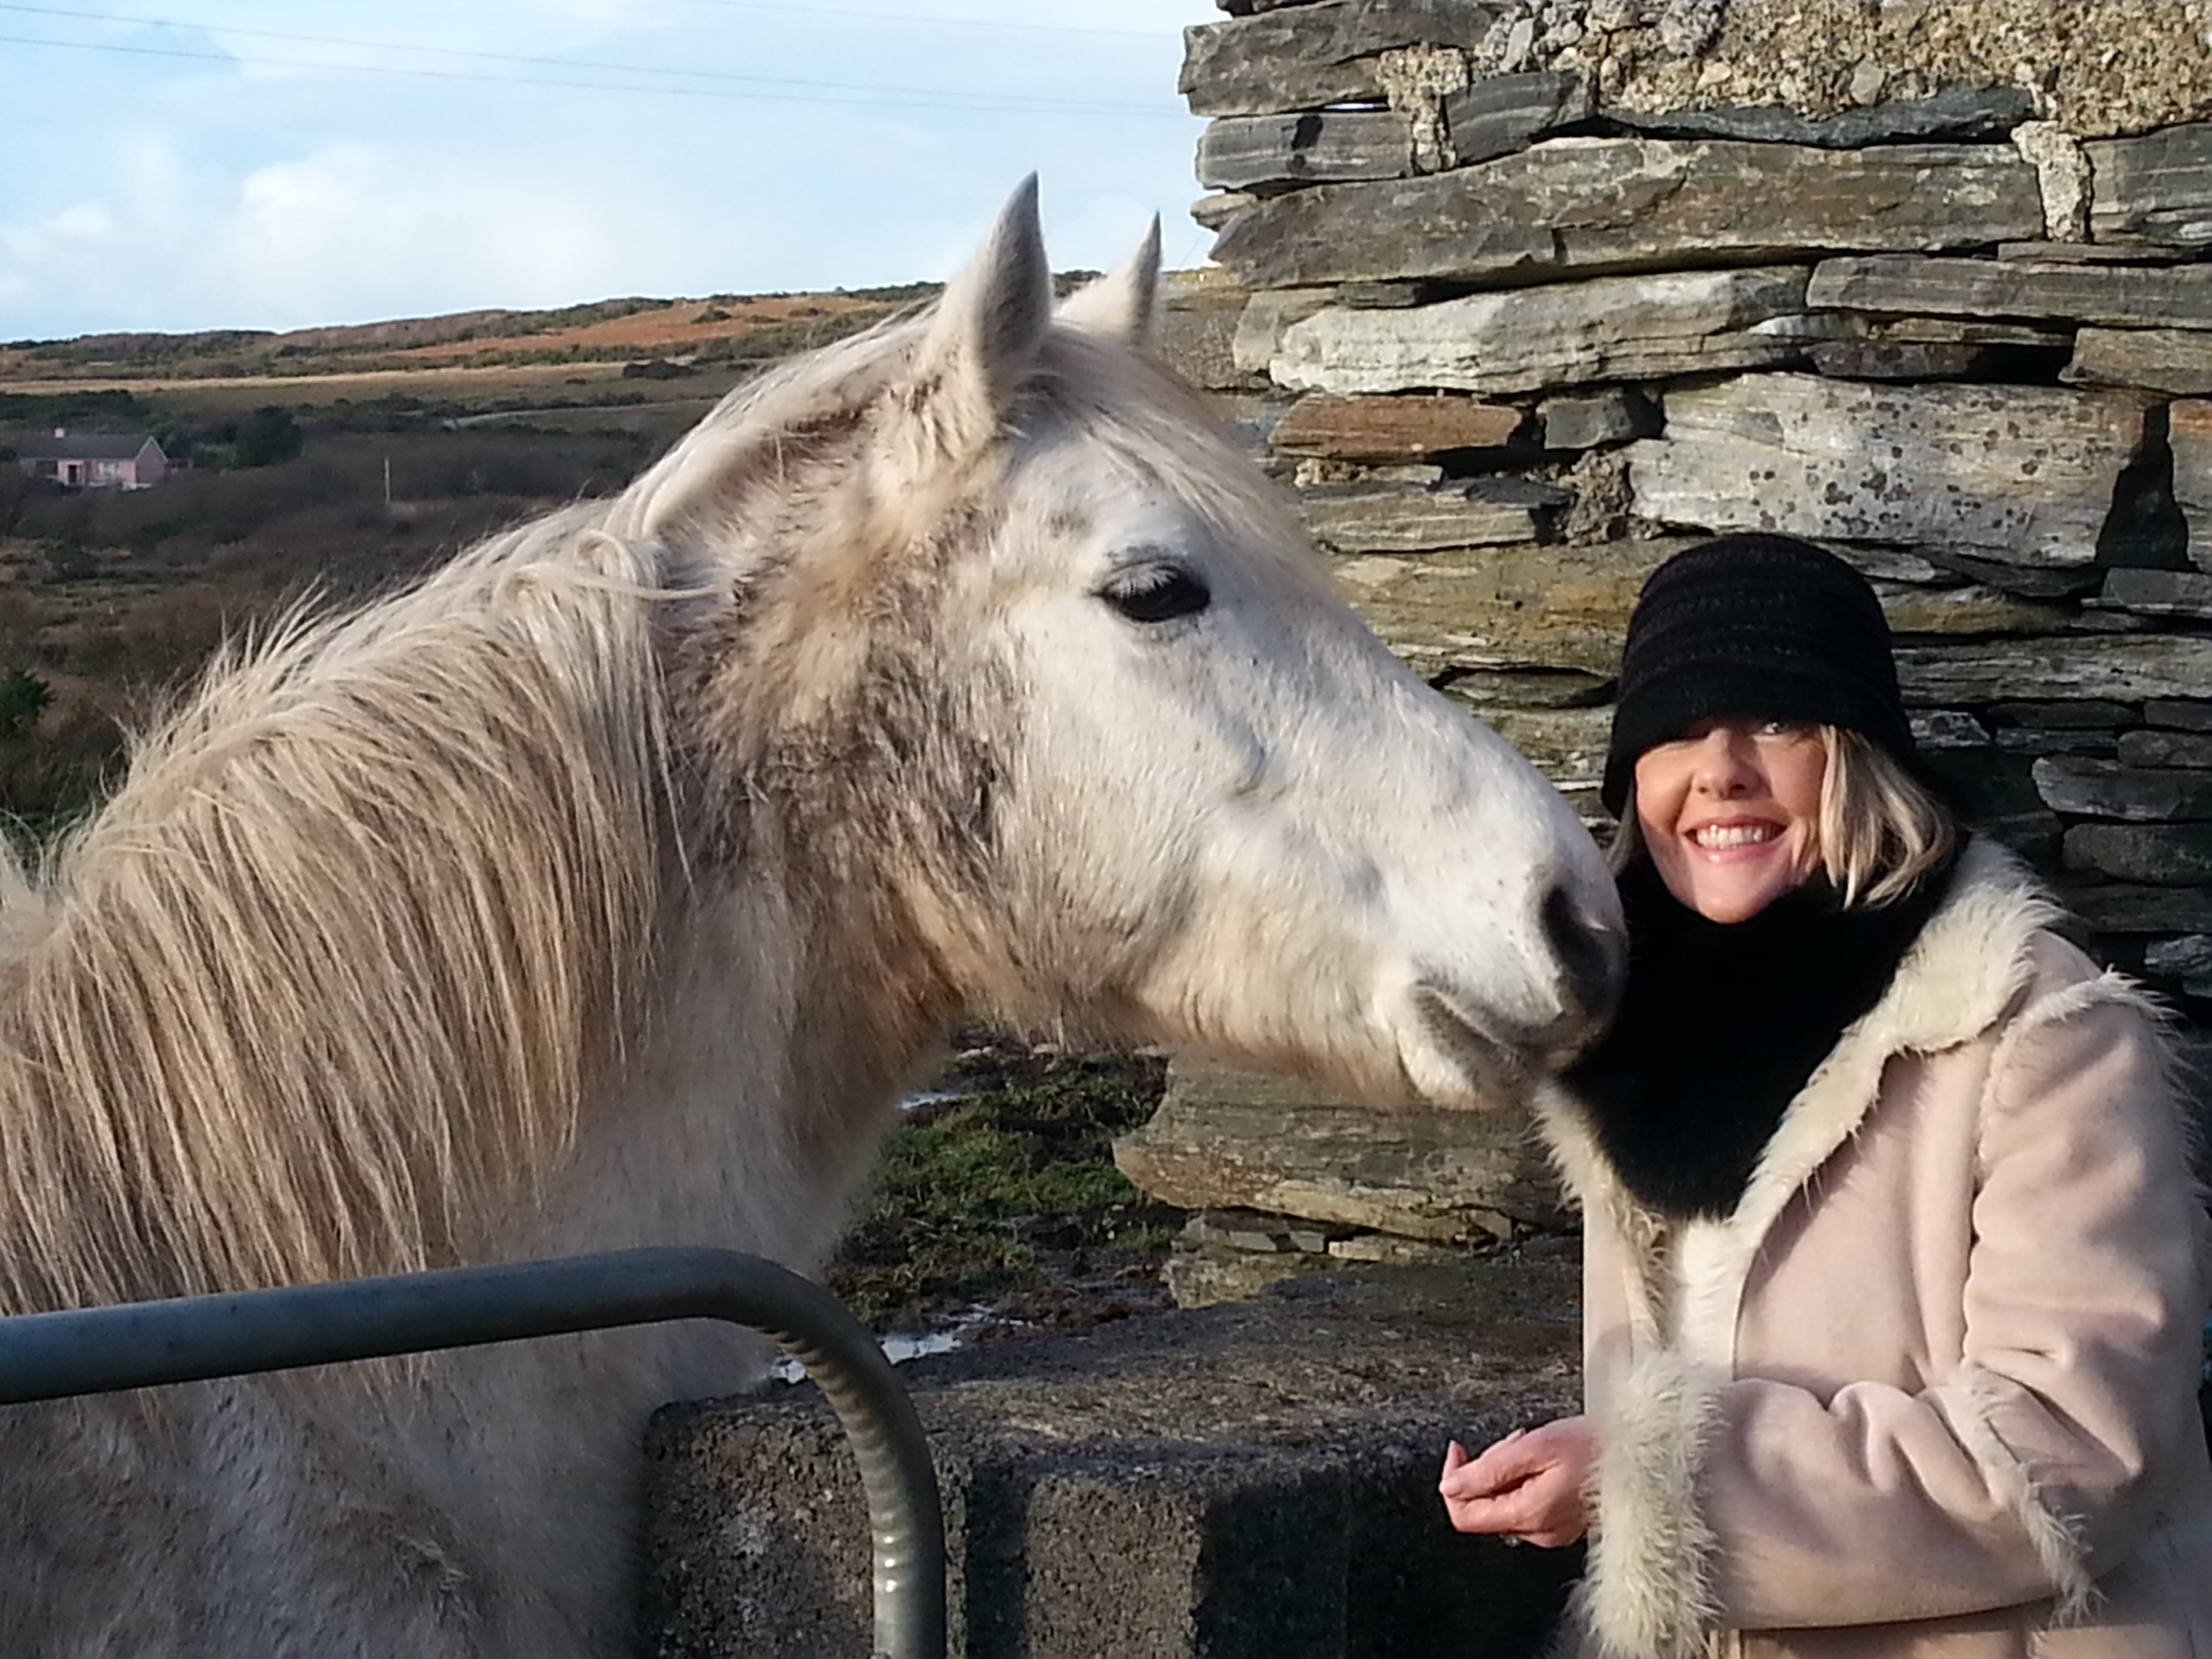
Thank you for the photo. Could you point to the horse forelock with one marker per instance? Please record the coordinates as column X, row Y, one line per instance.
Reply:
column 321, row 988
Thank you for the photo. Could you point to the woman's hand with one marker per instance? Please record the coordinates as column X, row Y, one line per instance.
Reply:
column 1526, row 1487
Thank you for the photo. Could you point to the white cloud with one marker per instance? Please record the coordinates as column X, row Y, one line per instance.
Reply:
column 351, row 232
column 222, row 200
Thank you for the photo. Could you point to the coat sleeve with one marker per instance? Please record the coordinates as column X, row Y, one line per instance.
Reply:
column 2019, row 1478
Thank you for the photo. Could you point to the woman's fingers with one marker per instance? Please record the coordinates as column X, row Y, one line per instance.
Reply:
column 1504, row 1463
column 1524, row 1487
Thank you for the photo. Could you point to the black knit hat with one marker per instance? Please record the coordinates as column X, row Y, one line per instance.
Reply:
column 1758, row 628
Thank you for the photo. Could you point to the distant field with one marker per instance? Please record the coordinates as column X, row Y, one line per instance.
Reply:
column 727, row 329
column 383, row 449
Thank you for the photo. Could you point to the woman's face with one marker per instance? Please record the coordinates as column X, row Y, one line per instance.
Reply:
column 1730, row 812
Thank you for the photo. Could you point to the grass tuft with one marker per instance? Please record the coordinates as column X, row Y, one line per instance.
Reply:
column 1008, row 1192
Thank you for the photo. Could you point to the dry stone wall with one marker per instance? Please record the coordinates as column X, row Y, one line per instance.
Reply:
column 1521, row 297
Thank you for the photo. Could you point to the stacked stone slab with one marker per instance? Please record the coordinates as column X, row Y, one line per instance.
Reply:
column 1522, row 296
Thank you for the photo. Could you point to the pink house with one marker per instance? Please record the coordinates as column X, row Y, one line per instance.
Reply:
column 95, row 463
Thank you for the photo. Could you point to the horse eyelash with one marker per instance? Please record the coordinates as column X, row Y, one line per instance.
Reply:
column 1156, row 593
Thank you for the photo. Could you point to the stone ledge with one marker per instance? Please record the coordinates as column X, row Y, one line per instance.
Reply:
column 1249, row 1481
column 1230, row 1140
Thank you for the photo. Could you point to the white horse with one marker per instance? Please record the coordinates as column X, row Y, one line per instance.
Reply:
column 606, row 888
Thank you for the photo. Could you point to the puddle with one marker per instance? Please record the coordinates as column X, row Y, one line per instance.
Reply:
column 921, row 1098
column 899, row 1346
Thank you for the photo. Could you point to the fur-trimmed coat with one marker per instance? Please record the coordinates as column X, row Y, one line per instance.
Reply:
column 1929, row 1389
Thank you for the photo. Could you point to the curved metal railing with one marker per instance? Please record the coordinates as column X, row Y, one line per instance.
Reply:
column 192, row 1339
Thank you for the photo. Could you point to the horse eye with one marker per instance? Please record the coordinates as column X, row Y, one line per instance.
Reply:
column 1156, row 593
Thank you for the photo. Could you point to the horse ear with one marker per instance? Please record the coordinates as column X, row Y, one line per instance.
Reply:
column 1120, row 304
column 983, row 340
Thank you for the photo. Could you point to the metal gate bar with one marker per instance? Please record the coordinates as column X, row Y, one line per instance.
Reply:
column 191, row 1338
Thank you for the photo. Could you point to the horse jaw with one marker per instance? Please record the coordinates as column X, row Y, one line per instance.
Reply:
column 1120, row 306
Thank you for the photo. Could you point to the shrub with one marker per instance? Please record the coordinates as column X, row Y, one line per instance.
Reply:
column 23, row 698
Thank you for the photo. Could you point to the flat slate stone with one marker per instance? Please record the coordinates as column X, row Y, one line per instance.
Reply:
column 2159, row 359
column 2045, row 740
column 2167, row 296
column 1223, row 1139
column 1507, row 608
column 1211, row 212
column 2178, row 714
column 1956, row 113
column 1610, row 328
column 2148, row 748
column 1307, row 147
column 1567, row 745
column 1312, row 56
column 1972, row 609
column 1195, row 330
column 2055, row 582
column 1590, row 420
column 1498, row 114
column 1392, row 428
column 1486, row 690
column 2127, row 908
column 2112, row 789
column 2188, row 956
column 2189, row 436
column 1205, row 1275
column 2123, row 670
column 1587, row 206
column 2085, row 253
column 2088, row 715
column 1475, row 513
column 1948, row 728
column 1962, row 331
column 1390, row 296
column 1896, row 360
column 1265, row 317
column 2019, row 475
column 2156, row 189
column 2164, row 856
column 2160, row 592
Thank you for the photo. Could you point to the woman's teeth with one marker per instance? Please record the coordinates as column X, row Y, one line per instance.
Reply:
column 1715, row 836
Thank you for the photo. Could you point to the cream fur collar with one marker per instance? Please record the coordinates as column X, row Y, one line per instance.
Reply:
column 1967, row 968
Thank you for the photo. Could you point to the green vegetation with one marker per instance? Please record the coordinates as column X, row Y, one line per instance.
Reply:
column 23, row 698
column 1007, row 1190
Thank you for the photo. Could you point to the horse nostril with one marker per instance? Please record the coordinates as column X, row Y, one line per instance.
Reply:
column 1592, row 960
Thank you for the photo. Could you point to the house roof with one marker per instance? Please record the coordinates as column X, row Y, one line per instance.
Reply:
column 91, row 448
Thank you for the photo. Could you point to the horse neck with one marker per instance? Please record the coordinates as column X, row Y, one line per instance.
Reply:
column 781, row 1024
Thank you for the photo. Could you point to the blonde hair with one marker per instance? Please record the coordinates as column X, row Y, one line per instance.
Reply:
column 1879, row 829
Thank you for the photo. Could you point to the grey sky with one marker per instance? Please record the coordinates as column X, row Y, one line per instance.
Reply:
column 302, row 162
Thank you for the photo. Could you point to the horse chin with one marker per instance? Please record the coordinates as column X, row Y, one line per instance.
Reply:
column 1456, row 1058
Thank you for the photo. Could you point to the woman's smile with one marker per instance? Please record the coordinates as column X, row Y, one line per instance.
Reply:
column 1735, row 835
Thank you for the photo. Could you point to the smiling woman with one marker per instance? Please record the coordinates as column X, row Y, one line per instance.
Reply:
column 1893, row 1262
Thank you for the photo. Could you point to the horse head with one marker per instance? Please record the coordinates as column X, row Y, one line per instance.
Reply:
column 1010, row 654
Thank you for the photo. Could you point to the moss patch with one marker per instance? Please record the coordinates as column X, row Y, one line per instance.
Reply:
column 1006, row 1192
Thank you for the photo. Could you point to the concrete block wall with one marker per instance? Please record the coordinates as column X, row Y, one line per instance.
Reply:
column 1255, row 1481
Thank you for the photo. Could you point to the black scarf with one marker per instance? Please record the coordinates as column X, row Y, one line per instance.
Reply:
column 1720, row 1024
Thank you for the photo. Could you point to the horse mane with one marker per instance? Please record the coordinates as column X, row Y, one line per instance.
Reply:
column 326, row 979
